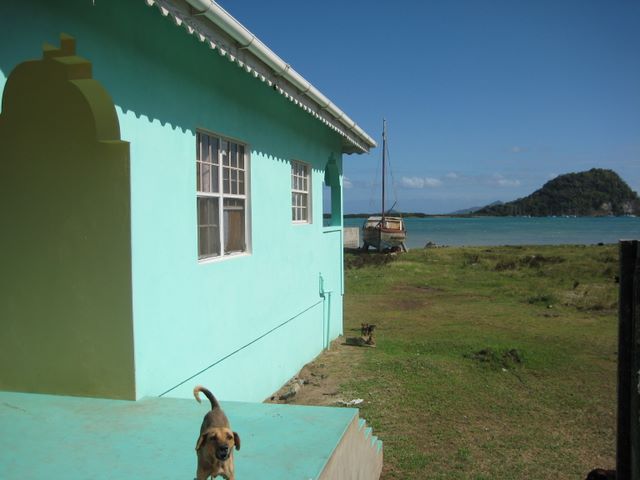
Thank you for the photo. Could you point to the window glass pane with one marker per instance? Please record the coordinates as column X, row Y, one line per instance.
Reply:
column 215, row 175
column 234, row 155
column 205, row 176
column 304, row 214
column 241, row 156
column 208, row 227
column 225, row 180
column 204, row 148
column 234, row 182
column 234, row 220
column 198, row 147
column 241, row 182
column 224, row 152
column 213, row 148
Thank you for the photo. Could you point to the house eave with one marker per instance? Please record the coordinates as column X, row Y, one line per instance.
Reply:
column 211, row 24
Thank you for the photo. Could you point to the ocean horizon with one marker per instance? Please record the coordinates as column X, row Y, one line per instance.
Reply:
column 493, row 231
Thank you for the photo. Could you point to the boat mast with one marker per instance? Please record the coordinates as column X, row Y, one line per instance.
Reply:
column 384, row 153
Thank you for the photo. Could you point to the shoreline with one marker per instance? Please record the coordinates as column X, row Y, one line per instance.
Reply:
column 473, row 215
column 360, row 251
column 497, row 231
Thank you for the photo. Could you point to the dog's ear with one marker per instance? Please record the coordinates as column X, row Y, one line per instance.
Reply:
column 201, row 440
column 236, row 440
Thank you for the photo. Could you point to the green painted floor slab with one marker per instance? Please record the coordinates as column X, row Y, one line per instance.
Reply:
column 47, row 436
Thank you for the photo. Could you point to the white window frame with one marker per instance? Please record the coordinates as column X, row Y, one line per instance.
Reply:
column 299, row 192
column 220, row 194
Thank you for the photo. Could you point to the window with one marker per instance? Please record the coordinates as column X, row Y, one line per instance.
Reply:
column 300, row 193
column 222, row 186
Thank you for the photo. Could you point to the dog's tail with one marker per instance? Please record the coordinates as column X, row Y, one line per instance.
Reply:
column 208, row 394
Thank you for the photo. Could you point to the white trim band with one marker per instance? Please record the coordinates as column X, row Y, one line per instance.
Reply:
column 211, row 24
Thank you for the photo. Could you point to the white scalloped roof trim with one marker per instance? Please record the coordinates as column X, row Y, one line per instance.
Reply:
column 206, row 32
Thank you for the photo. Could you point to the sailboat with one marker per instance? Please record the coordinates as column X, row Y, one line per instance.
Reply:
column 384, row 232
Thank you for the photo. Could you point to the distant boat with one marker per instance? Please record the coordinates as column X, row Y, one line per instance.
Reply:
column 384, row 232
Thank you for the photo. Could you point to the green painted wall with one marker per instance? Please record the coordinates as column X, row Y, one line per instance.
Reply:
column 66, row 309
column 258, row 318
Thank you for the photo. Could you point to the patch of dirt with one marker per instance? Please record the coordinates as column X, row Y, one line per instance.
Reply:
column 321, row 382
column 593, row 297
column 417, row 288
column 410, row 304
column 504, row 359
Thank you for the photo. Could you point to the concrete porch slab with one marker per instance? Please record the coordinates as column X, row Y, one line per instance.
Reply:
column 47, row 436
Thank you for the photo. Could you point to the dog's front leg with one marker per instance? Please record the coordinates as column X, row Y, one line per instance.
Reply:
column 202, row 474
column 228, row 473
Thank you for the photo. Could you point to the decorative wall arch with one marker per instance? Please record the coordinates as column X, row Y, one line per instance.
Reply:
column 65, row 208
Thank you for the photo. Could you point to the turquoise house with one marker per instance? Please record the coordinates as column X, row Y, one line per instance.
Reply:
column 162, row 175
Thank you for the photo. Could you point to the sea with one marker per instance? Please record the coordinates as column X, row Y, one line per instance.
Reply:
column 494, row 231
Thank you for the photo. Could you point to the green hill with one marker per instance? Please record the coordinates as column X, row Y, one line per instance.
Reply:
column 593, row 193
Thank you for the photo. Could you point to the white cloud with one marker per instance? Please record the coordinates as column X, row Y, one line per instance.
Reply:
column 432, row 182
column 518, row 149
column 420, row 182
column 412, row 182
column 346, row 183
column 505, row 182
column 452, row 175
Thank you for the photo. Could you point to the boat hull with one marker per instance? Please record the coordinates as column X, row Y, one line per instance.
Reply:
column 389, row 233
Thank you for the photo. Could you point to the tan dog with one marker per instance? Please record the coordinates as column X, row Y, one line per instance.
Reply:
column 216, row 441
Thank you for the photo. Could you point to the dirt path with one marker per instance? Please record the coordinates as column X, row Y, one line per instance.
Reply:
column 324, row 381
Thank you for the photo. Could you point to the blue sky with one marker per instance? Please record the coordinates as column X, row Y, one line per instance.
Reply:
column 485, row 100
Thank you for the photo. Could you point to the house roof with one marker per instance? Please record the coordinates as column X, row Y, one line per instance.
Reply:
column 211, row 24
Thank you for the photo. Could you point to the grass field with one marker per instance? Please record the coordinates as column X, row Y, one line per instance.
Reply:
column 491, row 363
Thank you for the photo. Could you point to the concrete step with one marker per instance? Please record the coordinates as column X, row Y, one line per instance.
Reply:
column 359, row 443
